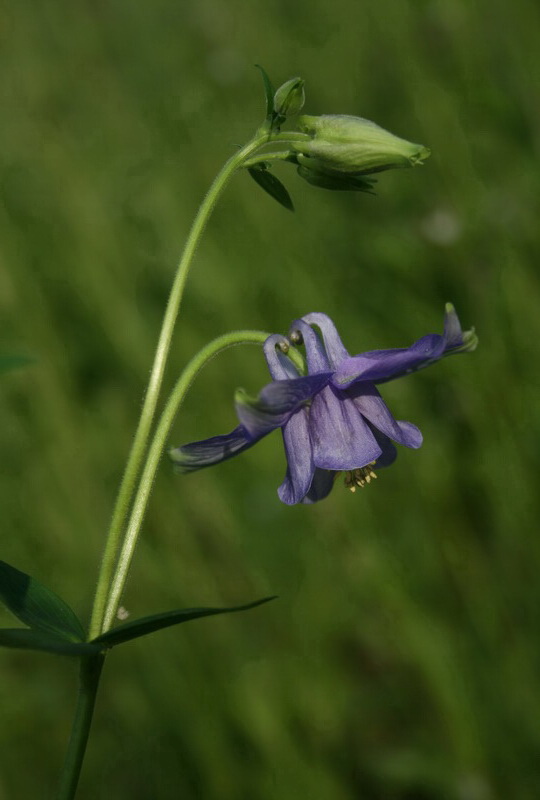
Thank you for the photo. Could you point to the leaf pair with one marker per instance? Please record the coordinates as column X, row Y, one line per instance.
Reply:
column 260, row 172
column 53, row 626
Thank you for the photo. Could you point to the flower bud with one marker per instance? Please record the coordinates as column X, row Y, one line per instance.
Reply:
column 289, row 98
column 356, row 146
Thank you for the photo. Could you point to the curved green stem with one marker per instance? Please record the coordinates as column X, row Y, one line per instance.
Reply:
column 288, row 136
column 154, row 455
column 140, row 442
column 282, row 155
column 110, row 582
column 88, row 684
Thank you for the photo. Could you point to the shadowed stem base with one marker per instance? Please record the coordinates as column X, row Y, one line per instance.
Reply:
column 90, row 674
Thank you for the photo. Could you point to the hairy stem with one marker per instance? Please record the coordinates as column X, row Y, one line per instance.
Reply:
column 117, row 555
column 282, row 155
column 140, row 442
column 154, row 454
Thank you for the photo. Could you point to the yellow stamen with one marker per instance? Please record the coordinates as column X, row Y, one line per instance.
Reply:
column 359, row 477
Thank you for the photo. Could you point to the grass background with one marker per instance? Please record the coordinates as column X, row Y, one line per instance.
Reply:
column 401, row 661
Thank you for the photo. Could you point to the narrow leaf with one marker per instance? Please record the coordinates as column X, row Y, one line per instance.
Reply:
column 145, row 625
column 272, row 186
column 269, row 92
column 26, row 639
column 37, row 606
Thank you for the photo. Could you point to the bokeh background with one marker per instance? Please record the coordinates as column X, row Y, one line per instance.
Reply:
column 401, row 661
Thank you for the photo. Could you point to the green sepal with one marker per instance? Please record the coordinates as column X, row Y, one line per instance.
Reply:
column 289, row 99
column 272, row 186
column 329, row 179
column 26, row 639
column 469, row 338
column 13, row 362
column 470, row 342
column 269, row 93
column 155, row 622
column 36, row 606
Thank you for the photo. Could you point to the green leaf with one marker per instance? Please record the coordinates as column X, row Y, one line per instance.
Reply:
column 37, row 606
column 12, row 362
column 26, row 639
column 145, row 625
column 272, row 186
column 329, row 179
column 269, row 92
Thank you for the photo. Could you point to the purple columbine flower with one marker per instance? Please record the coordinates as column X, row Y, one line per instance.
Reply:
column 333, row 419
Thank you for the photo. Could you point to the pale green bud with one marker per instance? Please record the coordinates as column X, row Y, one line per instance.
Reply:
column 355, row 146
column 289, row 98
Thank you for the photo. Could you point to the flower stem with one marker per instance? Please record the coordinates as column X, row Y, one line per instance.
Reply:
column 281, row 155
column 155, row 451
column 90, row 673
column 140, row 441
column 110, row 584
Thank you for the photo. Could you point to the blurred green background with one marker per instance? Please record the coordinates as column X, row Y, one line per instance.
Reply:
column 401, row 660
